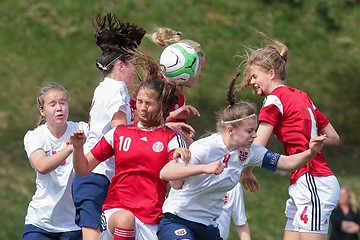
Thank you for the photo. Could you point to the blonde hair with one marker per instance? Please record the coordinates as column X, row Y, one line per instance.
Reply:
column 273, row 56
column 352, row 199
column 164, row 36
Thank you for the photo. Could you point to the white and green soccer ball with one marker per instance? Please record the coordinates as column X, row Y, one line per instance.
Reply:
column 179, row 61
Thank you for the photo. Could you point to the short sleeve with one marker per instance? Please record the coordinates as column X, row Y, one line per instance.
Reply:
column 104, row 149
column 321, row 119
column 271, row 111
column 116, row 103
column 176, row 142
column 32, row 142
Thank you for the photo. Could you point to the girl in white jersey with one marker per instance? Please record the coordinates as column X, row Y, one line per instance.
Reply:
column 196, row 199
column 234, row 210
column 110, row 107
column 136, row 194
column 51, row 212
column 291, row 115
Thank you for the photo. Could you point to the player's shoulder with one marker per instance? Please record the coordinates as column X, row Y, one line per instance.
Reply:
column 287, row 91
column 37, row 130
column 207, row 143
column 283, row 96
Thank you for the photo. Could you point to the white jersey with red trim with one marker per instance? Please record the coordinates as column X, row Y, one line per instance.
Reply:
column 201, row 197
column 52, row 207
column 110, row 96
column 234, row 209
column 295, row 119
column 139, row 157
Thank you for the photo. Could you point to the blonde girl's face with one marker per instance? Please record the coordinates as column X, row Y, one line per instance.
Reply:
column 244, row 135
column 147, row 105
column 55, row 108
column 261, row 80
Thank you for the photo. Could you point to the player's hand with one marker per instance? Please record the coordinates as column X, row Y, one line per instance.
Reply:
column 214, row 167
column 317, row 143
column 184, row 112
column 78, row 138
column 249, row 181
column 182, row 128
column 182, row 153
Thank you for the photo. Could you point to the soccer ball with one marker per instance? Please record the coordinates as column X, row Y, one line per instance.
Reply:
column 179, row 61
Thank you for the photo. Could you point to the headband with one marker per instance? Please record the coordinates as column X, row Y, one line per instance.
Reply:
column 239, row 119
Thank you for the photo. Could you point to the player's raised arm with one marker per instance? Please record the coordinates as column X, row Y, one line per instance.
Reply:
column 83, row 165
column 293, row 162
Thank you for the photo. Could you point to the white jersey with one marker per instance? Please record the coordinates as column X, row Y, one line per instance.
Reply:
column 110, row 96
column 52, row 207
column 201, row 197
column 234, row 208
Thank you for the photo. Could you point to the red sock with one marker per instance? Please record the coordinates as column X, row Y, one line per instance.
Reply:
column 124, row 234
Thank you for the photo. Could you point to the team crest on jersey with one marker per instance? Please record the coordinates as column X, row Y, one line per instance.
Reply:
column 158, row 147
column 243, row 154
column 67, row 142
column 180, row 232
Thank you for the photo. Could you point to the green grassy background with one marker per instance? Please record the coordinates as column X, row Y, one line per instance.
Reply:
column 44, row 41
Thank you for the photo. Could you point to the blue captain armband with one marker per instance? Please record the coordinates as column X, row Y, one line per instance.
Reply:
column 270, row 160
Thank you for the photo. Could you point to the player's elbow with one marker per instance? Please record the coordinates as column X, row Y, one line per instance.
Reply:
column 81, row 172
column 164, row 175
column 176, row 184
column 43, row 171
column 336, row 139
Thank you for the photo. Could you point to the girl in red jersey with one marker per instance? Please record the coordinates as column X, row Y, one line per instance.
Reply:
column 292, row 117
column 136, row 193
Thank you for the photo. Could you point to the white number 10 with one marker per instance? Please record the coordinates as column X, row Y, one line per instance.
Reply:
column 124, row 144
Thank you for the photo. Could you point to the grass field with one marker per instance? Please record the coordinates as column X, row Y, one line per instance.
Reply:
column 45, row 40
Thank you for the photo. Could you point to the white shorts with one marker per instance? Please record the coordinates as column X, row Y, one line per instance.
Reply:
column 143, row 231
column 234, row 208
column 311, row 202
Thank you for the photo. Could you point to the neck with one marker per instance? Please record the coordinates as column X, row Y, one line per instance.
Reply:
column 227, row 142
column 57, row 131
column 275, row 85
column 146, row 127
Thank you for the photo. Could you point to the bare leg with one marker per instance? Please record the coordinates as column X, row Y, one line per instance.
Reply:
column 122, row 219
column 313, row 236
column 90, row 233
column 292, row 235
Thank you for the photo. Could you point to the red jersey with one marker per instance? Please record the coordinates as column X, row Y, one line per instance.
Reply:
column 295, row 119
column 179, row 104
column 139, row 157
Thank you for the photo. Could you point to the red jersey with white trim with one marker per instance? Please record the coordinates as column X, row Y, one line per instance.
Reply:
column 295, row 119
column 181, row 102
column 139, row 157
